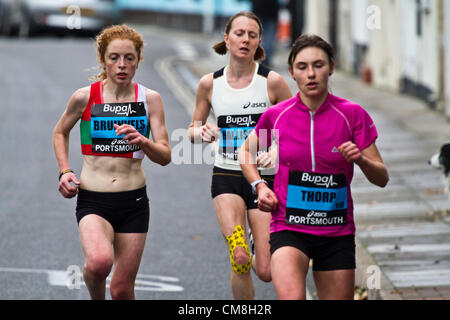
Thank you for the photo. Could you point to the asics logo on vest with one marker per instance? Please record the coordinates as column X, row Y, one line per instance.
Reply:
column 255, row 105
column 323, row 181
column 124, row 110
column 240, row 121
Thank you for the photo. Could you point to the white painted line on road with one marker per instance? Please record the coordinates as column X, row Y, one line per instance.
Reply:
column 413, row 229
column 185, row 50
column 430, row 249
column 400, row 209
column 64, row 278
column 189, row 77
column 184, row 95
column 408, row 263
column 426, row 278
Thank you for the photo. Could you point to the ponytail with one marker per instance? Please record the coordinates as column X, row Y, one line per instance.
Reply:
column 220, row 48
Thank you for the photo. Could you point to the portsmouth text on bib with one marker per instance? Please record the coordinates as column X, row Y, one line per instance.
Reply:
column 105, row 116
column 315, row 199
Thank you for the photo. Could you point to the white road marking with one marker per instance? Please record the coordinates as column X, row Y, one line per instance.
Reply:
column 185, row 50
column 430, row 249
column 426, row 278
column 63, row 278
column 407, row 229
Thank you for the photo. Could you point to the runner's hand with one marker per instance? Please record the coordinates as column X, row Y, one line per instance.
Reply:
column 132, row 136
column 264, row 160
column 267, row 199
column 65, row 185
column 350, row 152
column 267, row 159
column 210, row 133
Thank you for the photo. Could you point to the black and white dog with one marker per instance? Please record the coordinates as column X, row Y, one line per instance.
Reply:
column 441, row 161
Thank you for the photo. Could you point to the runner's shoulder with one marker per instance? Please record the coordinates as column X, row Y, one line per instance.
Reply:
column 206, row 82
column 344, row 104
column 274, row 77
column 281, row 106
column 152, row 94
column 154, row 99
column 81, row 96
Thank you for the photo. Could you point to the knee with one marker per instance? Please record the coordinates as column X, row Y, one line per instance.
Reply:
column 264, row 275
column 262, row 269
column 99, row 266
column 291, row 295
column 121, row 290
column 240, row 258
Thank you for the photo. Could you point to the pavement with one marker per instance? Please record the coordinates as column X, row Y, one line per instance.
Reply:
column 403, row 230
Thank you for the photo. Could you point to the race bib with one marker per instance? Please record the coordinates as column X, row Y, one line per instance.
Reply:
column 234, row 130
column 103, row 118
column 315, row 199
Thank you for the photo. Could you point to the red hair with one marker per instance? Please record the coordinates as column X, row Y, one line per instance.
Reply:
column 112, row 33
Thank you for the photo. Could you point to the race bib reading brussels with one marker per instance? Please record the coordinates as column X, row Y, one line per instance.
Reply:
column 234, row 130
column 315, row 199
column 105, row 116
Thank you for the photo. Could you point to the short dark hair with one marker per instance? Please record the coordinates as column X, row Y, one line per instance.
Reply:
column 310, row 40
column 221, row 48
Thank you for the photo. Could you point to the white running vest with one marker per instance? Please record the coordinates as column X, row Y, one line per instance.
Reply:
column 237, row 111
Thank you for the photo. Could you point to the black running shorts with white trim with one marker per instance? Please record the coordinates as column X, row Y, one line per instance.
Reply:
column 127, row 212
column 234, row 182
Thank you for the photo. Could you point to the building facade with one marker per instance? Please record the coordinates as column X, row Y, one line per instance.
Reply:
column 401, row 45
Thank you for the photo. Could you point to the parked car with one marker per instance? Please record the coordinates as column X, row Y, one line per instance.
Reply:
column 10, row 17
column 65, row 15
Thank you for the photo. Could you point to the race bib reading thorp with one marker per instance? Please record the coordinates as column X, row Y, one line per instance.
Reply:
column 234, row 130
column 103, row 118
column 315, row 199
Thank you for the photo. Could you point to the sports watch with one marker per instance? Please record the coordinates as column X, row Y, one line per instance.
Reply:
column 255, row 183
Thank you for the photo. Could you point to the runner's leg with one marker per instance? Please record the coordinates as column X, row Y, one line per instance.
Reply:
column 128, row 250
column 230, row 211
column 335, row 285
column 96, row 236
column 289, row 268
column 260, row 224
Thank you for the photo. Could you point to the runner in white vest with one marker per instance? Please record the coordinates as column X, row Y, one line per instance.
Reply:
column 238, row 95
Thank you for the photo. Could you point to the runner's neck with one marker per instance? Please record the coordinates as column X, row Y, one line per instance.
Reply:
column 118, row 92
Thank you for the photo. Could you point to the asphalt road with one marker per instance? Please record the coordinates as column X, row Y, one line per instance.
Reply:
column 40, row 254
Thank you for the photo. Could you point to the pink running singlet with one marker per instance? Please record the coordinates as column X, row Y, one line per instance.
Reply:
column 313, row 180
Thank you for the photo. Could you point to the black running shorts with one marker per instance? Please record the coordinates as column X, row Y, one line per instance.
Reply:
column 233, row 181
column 327, row 253
column 127, row 212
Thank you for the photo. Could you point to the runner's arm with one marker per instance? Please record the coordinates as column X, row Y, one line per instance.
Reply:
column 199, row 130
column 156, row 149
column 61, row 134
column 369, row 160
column 267, row 200
column 278, row 88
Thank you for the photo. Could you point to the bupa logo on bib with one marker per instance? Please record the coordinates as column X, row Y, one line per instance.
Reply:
column 234, row 130
column 315, row 199
column 103, row 119
column 118, row 109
